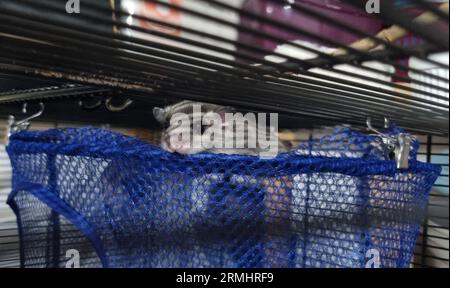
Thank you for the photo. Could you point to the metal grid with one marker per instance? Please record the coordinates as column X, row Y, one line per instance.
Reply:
column 105, row 50
column 432, row 248
column 433, row 244
column 96, row 48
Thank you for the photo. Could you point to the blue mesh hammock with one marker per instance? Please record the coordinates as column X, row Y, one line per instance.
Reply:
column 121, row 202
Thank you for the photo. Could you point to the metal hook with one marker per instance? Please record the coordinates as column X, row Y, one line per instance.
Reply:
column 399, row 145
column 388, row 140
column 376, row 131
column 23, row 124
column 94, row 106
column 387, row 123
column 26, row 122
column 113, row 108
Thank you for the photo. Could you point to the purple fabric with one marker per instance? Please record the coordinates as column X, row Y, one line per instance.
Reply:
column 334, row 8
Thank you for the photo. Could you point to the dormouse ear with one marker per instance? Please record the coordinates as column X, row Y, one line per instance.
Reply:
column 159, row 114
column 222, row 115
column 226, row 109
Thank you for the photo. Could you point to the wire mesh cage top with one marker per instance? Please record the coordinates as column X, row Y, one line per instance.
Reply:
column 121, row 202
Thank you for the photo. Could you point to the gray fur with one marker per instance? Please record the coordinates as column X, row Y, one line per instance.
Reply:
column 163, row 116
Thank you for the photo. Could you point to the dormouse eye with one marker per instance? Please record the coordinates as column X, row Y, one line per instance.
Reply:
column 203, row 129
column 159, row 114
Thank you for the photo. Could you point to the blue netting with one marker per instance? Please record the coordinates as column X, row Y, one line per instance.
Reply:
column 124, row 203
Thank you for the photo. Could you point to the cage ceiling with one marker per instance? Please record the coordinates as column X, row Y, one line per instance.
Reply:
column 256, row 55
